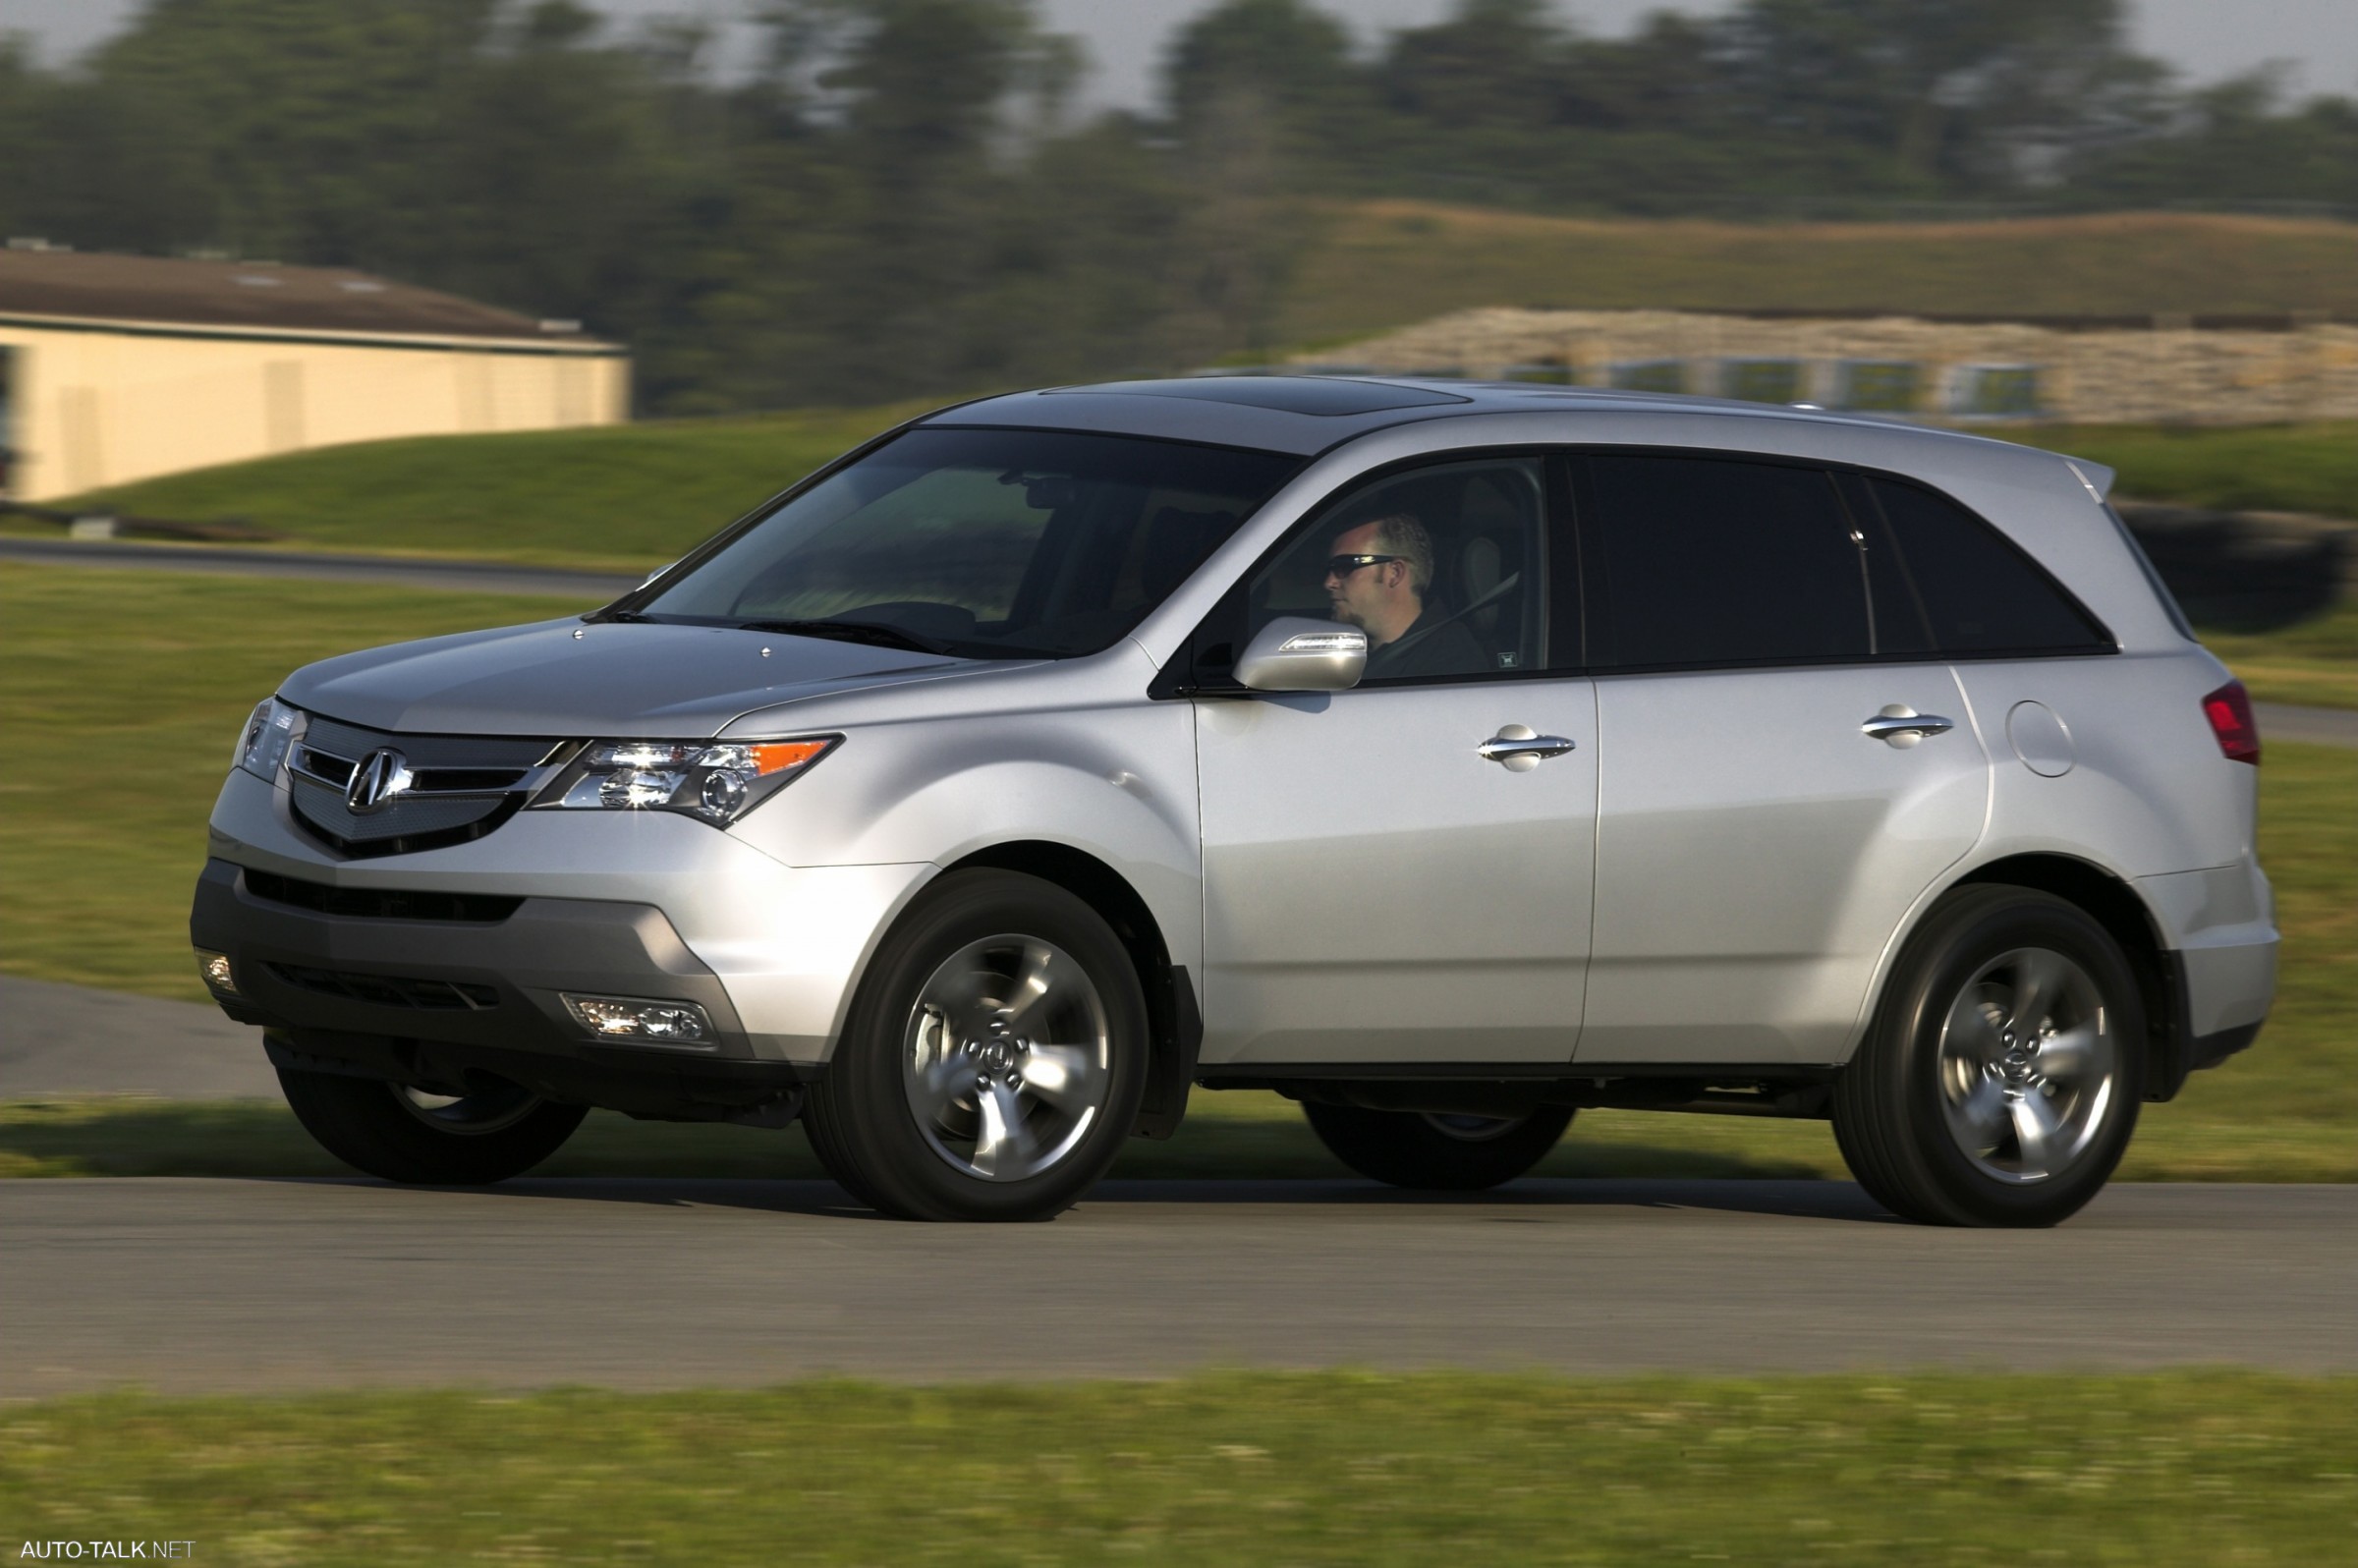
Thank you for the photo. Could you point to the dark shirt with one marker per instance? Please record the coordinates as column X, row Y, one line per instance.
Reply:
column 1431, row 645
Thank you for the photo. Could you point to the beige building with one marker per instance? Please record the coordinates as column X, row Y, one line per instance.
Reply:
column 118, row 368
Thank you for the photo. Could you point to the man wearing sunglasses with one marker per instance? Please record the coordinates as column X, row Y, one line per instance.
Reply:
column 1378, row 579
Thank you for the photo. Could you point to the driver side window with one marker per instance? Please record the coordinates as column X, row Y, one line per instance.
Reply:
column 1444, row 568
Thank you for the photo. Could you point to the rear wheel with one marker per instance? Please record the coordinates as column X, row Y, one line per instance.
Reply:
column 993, row 1061
column 407, row 1134
column 1433, row 1152
column 2000, row 1080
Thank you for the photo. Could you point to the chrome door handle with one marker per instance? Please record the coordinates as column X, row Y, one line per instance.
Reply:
column 1519, row 749
column 1903, row 726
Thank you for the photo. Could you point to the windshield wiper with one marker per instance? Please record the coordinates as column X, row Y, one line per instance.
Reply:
column 870, row 632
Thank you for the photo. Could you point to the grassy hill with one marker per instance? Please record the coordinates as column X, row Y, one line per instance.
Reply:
column 625, row 497
column 1379, row 265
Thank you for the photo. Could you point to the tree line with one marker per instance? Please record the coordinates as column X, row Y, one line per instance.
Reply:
column 898, row 197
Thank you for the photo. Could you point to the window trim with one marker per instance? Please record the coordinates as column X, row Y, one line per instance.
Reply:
column 1596, row 612
column 1577, row 587
column 1178, row 678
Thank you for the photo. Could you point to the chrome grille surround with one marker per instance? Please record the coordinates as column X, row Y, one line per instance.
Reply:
column 375, row 792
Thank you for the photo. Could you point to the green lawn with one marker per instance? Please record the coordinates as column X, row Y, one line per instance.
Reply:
column 2314, row 661
column 159, row 668
column 2262, row 468
column 2155, row 1471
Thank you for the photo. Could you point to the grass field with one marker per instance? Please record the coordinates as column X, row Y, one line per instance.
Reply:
column 94, row 885
column 1379, row 265
column 2313, row 661
column 2155, row 1471
column 2266, row 467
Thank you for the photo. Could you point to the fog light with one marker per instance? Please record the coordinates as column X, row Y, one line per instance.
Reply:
column 642, row 1022
column 213, row 967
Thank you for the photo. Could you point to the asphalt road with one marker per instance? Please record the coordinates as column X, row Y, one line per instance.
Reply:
column 590, row 589
column 75, row 1040
column 186, row 1286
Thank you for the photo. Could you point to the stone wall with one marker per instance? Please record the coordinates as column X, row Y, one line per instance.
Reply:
column 2181, row 370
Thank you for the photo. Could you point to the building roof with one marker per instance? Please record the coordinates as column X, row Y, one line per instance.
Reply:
column 261, row 295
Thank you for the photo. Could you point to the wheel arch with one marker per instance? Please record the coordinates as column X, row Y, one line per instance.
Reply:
column 1174, row 1021
column 2112, row 903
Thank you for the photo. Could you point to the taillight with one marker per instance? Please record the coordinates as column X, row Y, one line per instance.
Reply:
column 2229, row 711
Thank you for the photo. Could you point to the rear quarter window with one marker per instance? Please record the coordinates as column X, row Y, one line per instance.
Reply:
column 1948, row 583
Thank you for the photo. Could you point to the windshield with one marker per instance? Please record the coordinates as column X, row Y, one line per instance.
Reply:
column 982, row 543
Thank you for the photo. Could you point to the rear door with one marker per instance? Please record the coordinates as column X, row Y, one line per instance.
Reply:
column 1757, row 844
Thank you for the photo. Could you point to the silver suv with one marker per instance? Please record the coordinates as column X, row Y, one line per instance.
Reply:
column 1444, row 757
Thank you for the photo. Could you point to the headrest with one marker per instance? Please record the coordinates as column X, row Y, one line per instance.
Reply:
column 1480, row 565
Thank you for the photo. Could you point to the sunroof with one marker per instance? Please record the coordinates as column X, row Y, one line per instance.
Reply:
column 1328, row 396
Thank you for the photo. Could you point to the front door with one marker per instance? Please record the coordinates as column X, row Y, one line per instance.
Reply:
column 1375, row 890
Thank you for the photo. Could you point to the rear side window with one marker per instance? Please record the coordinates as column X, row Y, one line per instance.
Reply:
column 1706, row 561
column 1946, row 584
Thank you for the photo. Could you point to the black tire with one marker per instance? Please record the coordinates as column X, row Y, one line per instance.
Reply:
column 899, row 1142
column 386, row 1130
column 1951, row 1062
column 1436, row 1154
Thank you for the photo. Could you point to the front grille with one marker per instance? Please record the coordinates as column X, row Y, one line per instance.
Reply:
column 494, row 771
column 381, row 903
column 387, row 990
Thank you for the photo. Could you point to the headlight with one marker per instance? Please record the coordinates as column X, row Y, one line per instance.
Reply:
column 262, row 744
column 719, row 781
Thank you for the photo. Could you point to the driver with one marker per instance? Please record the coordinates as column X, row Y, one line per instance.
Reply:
column 1377, row 578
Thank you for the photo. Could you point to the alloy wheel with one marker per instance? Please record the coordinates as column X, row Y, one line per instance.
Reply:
column 1007, row 1057
column 2028, row 1065
column 488, row 1110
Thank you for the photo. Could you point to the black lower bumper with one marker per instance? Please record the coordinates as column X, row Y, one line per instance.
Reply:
column 2180, row 1052
column 436, row 1002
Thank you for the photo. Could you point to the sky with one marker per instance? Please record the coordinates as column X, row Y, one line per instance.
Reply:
column 2206, row 39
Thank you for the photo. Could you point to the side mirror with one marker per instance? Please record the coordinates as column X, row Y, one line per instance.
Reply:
column 1295, row 654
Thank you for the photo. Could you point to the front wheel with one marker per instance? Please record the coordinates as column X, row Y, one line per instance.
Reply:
column 993, row 1060
column 1999, row 1081
column 1435, row 1152
column 407, row 1134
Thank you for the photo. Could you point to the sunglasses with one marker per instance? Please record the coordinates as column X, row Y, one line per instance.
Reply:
column 1345, row 565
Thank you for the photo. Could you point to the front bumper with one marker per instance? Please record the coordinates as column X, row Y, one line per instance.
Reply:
column 434, row 1002
column 645, row 905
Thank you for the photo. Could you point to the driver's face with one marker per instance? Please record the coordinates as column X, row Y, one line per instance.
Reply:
column 1355, row 595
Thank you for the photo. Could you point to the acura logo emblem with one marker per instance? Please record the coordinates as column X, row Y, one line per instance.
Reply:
column 381, row 778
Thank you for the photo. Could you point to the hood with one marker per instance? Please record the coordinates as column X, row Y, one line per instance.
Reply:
column 570, row 679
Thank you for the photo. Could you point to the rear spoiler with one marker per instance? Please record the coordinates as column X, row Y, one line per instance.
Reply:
column 2095, row 475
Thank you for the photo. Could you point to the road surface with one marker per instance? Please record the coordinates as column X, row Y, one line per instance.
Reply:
column 186, row 1285
column 75, row 1040
column 590, row 589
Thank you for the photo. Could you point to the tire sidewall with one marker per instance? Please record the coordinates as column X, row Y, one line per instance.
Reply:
column 865, row 1090
column 1944, row 961
column 1402, row 1149
column 361, row 1122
